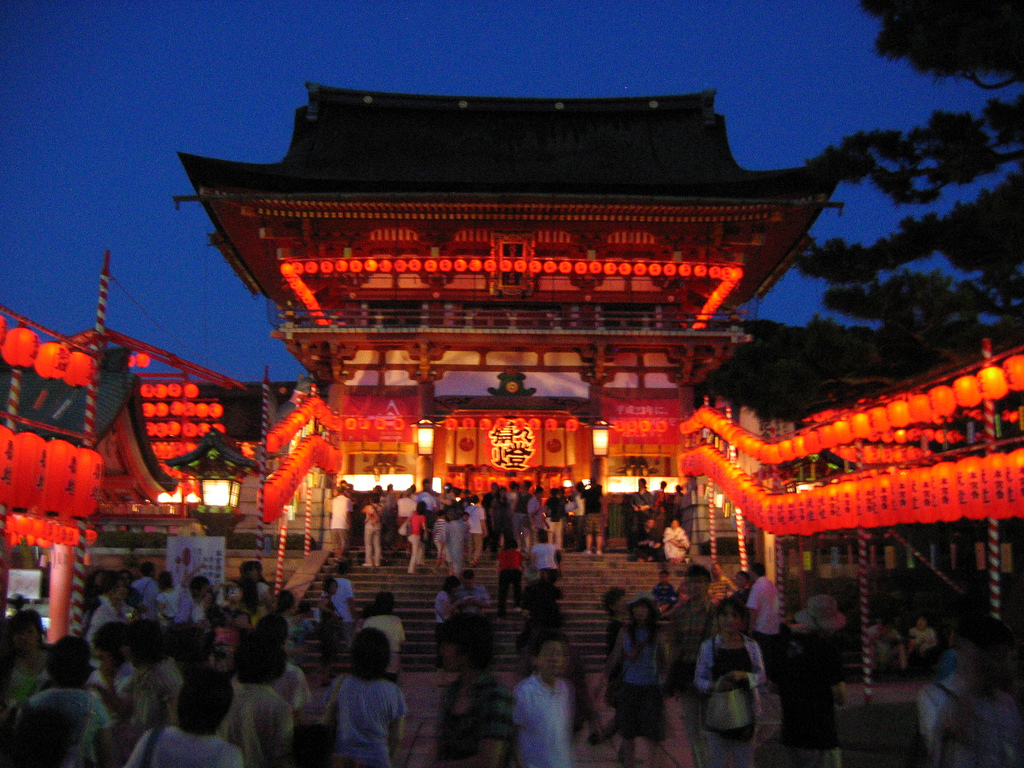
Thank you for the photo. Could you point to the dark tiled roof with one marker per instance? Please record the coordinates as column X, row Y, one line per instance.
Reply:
column 54, row 403
column 357, row 142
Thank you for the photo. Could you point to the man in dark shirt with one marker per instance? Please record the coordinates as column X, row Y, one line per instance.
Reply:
column 810, row 683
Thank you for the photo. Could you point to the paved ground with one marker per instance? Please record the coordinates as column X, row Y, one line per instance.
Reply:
column 874, row 735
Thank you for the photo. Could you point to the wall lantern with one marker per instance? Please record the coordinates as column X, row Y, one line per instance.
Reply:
column 599, row 437
column 219, row 468
column 425, row 437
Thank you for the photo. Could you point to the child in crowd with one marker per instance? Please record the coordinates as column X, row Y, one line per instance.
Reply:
column 664, row 593
column 543, row 708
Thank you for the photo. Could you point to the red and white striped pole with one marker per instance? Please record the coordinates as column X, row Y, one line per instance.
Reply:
column 282, row 541
column 91, row 395
column 13, row 400
column 741, row 538
column 712, row 524
column 780, row 576
column 307, row 539
column 867, row 652
column 994, row 564
column 261, row 447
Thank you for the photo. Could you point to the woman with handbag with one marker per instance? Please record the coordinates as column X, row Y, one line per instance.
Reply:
column 729, row 671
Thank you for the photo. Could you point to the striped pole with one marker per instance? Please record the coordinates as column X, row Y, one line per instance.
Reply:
column 282, row 540
column 261, row 447
column 867, row 653
column 741, row 537
column 780, row 576
column 925, row 561
column 13, row 397
column 13, row 401
column 307, row 540
column 91, row 393
column 994, row 564
column 712, row 524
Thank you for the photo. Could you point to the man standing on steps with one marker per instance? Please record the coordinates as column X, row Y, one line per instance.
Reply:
column 763, row 604
column 593, row 519
column 341, row 514
column 638, row 510
column 345, row 604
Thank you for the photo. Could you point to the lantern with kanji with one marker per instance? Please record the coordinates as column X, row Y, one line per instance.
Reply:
column 20, row 347
column 59, row 482
column 29, row 469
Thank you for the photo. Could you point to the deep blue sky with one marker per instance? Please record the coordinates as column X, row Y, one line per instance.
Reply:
column 97, row 98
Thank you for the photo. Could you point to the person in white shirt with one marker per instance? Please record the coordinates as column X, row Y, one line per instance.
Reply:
column 203, row 701
column 543, row 711
column 477, row 529
column 341, row 514
column 763, row 604
column 544, row 555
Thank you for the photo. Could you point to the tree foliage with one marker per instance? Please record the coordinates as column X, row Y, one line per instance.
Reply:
column 920, row 318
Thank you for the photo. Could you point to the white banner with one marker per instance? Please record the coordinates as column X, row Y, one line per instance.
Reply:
column 191, row 556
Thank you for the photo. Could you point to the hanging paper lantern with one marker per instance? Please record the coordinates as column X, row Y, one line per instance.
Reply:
column 786, row 452
column 920, row 409
column 6, row 465
column 967, row 391
column 968, row 490
column 550, row 424
column 88, row 476
column 828, row 437
column 943, row 400
column 468, row 423
column 91, row 536
column 812, row 442
column 52, row 360
column 994, row 479
column 571, row 425
column 3, row 330
column 944, row 484
column 20, row 347
column 59, row 482
column 29, row 469
column 1013, row 367
column 992, row 382
column 1015, row 479
column 534, row 423
column 486, row 424
column 879, row 418
column 842, row 431
column 898, row 413
column 860, row 426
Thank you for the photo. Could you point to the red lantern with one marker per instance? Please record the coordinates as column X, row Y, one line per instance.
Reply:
column 994, row 479
column 993, row 384
column 898, row 413
column 91, row 536
column 920, row 409
column 59, row 482
column 29, row 469
column 550, row 424
column 3, row 330
column 88, row 476
column 571, row 425
column 842, row 431
column 967, row 391
column 860, row 426
column 1013, row 367
column 52, row 360
column 829, row 439
column 1015, row 479
column 6, row 465
column 469, row 423
column 879, row 418
column 812, row 442
column 20, row 347
column 786, row 452
column 943, row 400
column 968, row 491
column 944, row 488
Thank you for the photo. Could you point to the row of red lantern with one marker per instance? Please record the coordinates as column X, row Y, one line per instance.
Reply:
column 20, row 348
column 161, row 429
column 44, row 533
column 292, row 269
column 185, row 409
column 468, row 422
column 312, row 451
column 302, row 292
column 641, row 426
column 172, row 390
column 139, row 360
column 169, row 450
column 714, row 301
column 49, row 476
column 974, row 487
column 877, row 423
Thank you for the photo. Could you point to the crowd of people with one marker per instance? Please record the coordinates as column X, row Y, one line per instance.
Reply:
column 213, row 675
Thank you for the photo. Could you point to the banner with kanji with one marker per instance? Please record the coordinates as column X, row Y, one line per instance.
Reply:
column 377, row 419
column 642, row 420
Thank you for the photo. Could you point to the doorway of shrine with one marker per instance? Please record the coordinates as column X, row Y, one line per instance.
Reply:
column 479, row 449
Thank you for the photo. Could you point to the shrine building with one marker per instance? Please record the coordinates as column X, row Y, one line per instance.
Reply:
column 487, row 288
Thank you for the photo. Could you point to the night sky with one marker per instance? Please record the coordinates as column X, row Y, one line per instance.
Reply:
column 99, row 97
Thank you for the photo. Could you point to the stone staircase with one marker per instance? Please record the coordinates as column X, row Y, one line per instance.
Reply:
column 584, row 580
